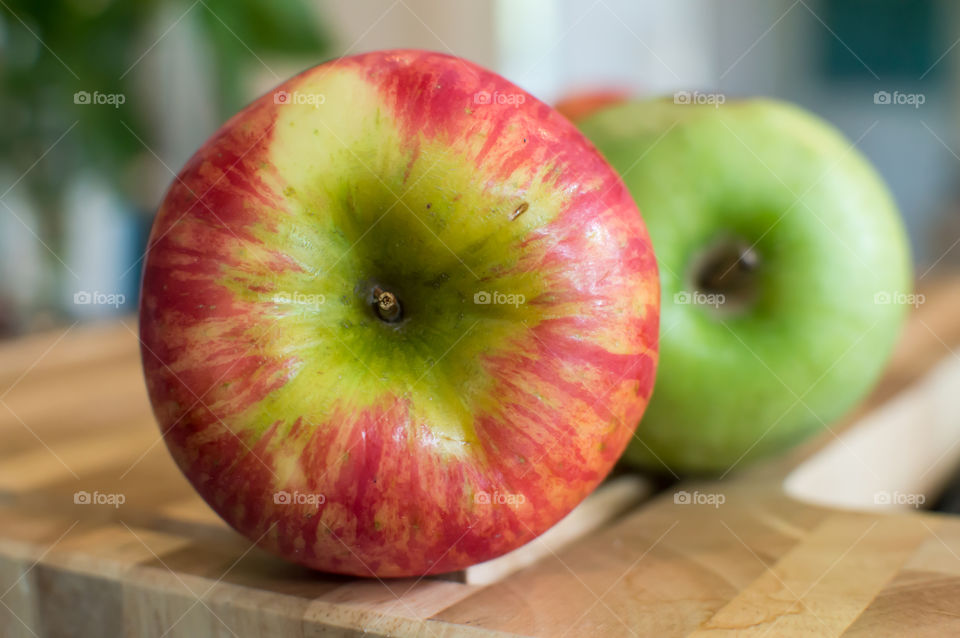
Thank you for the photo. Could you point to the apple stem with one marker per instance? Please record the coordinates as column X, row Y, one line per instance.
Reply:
column 714, row 275
column 748, row 259
column 387, row 305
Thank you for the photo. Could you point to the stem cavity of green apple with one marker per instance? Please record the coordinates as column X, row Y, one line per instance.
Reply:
column 728, row 268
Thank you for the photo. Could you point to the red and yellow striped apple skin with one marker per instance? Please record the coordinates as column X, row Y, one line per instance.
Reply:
column 400, row 431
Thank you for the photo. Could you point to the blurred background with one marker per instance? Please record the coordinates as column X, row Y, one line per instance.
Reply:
column 102, row 101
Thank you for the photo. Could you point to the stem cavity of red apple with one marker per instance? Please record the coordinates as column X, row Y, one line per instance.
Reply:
column 387, row 306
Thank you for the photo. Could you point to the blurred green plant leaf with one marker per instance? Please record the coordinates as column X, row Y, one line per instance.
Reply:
column 50, row 50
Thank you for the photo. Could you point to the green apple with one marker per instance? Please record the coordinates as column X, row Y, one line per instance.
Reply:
column 785, row 274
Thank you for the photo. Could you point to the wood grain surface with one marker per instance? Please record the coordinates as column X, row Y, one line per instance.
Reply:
column 74, row 418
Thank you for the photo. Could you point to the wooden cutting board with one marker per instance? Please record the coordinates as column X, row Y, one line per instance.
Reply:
column 74, row 420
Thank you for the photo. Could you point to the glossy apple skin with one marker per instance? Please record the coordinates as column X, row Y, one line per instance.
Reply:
column 734, row 387
column 269, row 370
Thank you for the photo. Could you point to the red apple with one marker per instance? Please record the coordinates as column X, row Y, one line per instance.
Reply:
column 398, row 317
